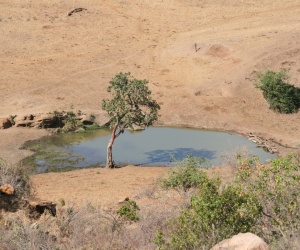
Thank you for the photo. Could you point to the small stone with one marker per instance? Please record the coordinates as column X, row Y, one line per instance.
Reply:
column 30, row 117
column 45, row 121
column 36, row 208
column 86, row 119
column 7, row 189
column 20, row 118
column 45, row 117
column 123, row 200
column 23, row 123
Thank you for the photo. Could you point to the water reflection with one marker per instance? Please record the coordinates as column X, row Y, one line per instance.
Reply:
column 161, row 156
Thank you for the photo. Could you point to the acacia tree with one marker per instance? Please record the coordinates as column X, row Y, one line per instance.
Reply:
column 131, row 105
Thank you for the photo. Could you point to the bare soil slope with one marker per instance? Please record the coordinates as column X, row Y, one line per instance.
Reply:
column 199, row 56
column 102, row 187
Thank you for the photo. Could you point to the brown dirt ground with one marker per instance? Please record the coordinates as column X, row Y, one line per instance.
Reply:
column 99, row 186
column 50, row 60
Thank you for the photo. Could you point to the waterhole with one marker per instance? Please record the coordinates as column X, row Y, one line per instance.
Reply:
column 153, row 146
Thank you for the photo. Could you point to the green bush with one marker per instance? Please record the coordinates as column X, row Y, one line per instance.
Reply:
column 230, row 211
column 263, row 199
column 71, row 122
column 129, row 211
column 280, row 95
column 277, row 188
column 186, row 175
column 214, row 214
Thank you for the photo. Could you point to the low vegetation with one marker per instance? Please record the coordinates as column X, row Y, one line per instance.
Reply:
column 186, row 175
column 129, row 211
column 281, row 96
column 262, row 199
column 69, row 121
column 277, row 189
column 216, row 212
column 16, row 176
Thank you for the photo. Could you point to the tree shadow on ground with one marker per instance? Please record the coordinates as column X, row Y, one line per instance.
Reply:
column 166, row 156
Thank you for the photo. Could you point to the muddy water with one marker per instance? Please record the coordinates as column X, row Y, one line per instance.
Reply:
column 154, row 146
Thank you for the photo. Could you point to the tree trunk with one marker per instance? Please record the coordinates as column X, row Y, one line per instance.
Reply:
column 109, row 159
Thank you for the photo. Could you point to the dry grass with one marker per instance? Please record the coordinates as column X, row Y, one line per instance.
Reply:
column 14, row 175
column 17, row 177
column 95, row 228
column 90, row 227
column 232, row 158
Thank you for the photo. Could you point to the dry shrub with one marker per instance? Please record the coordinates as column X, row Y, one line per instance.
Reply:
column 154, row 214
column 150, row 191
column 14, row 175
column 89, row 227
column 233, row 158
column 69, row 229
column 292, row 242
column 19, row 232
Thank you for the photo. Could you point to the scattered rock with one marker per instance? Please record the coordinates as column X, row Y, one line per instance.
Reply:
column 7, row 189
column 45, row 118
column 45, row 121
column 242, row 241
column 20, row 118
column 9, row 202
column 264, row 143
column 24, row 121
column 123, row 200
column 29, row 117
column 86, row 119
column 36, row 208
column 5, row 123
column 56, row 120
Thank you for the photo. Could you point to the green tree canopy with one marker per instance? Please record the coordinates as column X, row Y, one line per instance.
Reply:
column 131, row 105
